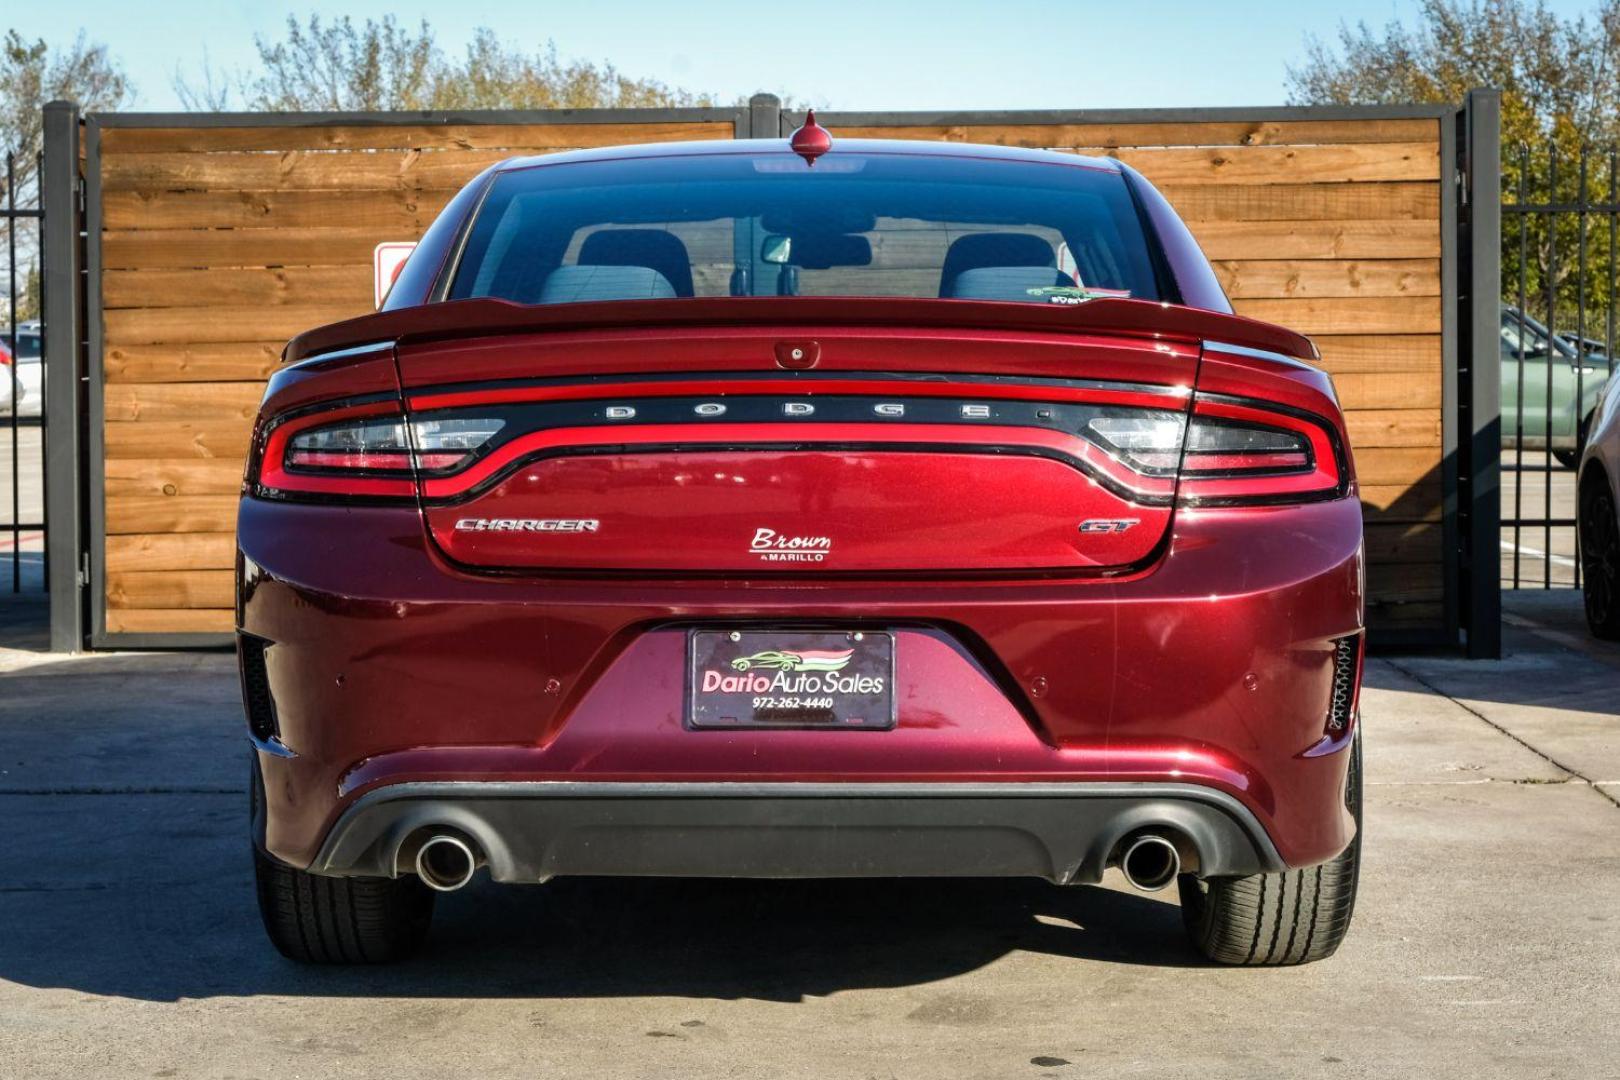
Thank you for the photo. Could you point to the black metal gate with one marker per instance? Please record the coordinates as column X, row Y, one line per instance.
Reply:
column 1561, row 221
column 22, row 541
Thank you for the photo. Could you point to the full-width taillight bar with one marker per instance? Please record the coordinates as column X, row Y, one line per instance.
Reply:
column 1224, row 451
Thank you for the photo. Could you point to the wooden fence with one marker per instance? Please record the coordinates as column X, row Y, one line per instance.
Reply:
column 213, row 241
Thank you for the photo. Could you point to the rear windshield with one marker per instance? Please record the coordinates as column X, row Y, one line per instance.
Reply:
column 856, row 224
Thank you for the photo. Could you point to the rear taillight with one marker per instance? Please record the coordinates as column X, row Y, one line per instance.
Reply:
column 1229, row 453
column 1148, row 440
column 368, row 451
column 1246, row 453
column 1220, row 448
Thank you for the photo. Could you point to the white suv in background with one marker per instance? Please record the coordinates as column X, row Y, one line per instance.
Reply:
column 28, row 363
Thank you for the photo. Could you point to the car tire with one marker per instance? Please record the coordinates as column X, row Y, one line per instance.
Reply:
column 1571, row 459
column 1600, row 558
column 330, row 920
column 1278, row 919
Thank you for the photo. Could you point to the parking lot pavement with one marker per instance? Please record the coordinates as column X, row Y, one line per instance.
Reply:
column 1484, row 946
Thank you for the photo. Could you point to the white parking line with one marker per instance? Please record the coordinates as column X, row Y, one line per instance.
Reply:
column 1537, row 553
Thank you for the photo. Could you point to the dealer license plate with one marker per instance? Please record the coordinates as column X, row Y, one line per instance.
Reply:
column 792, row 679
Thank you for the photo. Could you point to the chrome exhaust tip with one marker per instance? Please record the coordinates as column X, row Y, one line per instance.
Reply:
column 445, row 862
column 1150, row 862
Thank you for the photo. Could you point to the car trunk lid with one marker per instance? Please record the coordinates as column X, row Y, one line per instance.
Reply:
column 800, row 448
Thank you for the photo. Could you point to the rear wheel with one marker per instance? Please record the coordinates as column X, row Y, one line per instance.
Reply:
column 1600, row 558
column 330, row 920
column 1278, row 919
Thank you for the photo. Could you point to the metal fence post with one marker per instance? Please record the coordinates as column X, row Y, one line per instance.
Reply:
column 63, row 288
column 1480, row 368
column 764, row 117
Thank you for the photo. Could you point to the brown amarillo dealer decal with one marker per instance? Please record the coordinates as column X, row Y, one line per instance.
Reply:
column 772, row 546
column 812, row 679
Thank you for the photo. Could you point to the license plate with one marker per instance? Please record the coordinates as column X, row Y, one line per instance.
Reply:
column 791, row 679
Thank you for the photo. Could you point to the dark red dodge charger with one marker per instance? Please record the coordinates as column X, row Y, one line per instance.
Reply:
column 803, row 508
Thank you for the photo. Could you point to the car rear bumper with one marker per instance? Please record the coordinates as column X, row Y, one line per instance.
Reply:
column 1211, row 671
column 529, row 832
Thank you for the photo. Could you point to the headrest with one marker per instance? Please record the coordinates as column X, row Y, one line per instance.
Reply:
column 663, row 251
column 582, row 284
column 993, row 249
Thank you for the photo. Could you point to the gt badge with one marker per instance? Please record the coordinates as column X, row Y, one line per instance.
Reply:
column 1107, row 525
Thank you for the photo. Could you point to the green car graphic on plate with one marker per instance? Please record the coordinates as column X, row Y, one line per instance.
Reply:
column 807, row 660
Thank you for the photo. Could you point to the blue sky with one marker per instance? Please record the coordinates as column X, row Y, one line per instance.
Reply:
column 873, row 55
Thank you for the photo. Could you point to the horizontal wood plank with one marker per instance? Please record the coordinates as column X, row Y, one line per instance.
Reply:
column 177, row 439
column 1349, row 315
column 1168, row 133
column 1416, row 200
column 173, row 476
column 171, row 249
column 1372, row 353
column 195, row 325
column 308, row 286
column 171, row 620
column 1397, row 465
column 1287, row 164
column 226, row 361
column 1404, row 543
column 1406, row 582
column 182, row 401
column 1389, row 390
column 171, row 551
column 1385, row 504
column 171, row 589
column 1393, row 427
column 402, row 215
column 1270, row 240
column 171, row 514
column 438, row 170
column 454, row 136
column 1292, row 278
column 382, row 170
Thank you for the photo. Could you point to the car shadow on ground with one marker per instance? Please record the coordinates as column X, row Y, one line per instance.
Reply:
column 704, row 939
column 124, row 872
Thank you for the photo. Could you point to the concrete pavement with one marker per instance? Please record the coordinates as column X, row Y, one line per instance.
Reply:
column 1486, row 943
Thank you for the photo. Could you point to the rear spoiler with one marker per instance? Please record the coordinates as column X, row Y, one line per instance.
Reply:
column 462, row 319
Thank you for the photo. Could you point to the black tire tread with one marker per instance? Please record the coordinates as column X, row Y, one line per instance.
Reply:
column 329, row 920
column 1278, row 919
column 1597, row 515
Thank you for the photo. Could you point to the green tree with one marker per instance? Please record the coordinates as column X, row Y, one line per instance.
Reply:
column 342, row 65
column 1560, row 83
column 31, row 74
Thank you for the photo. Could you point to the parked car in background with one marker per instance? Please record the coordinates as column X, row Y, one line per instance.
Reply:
column 1548, row 388
column 1597, row 518
column 793, row 508
column 1584, row 345
column 29, row 366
